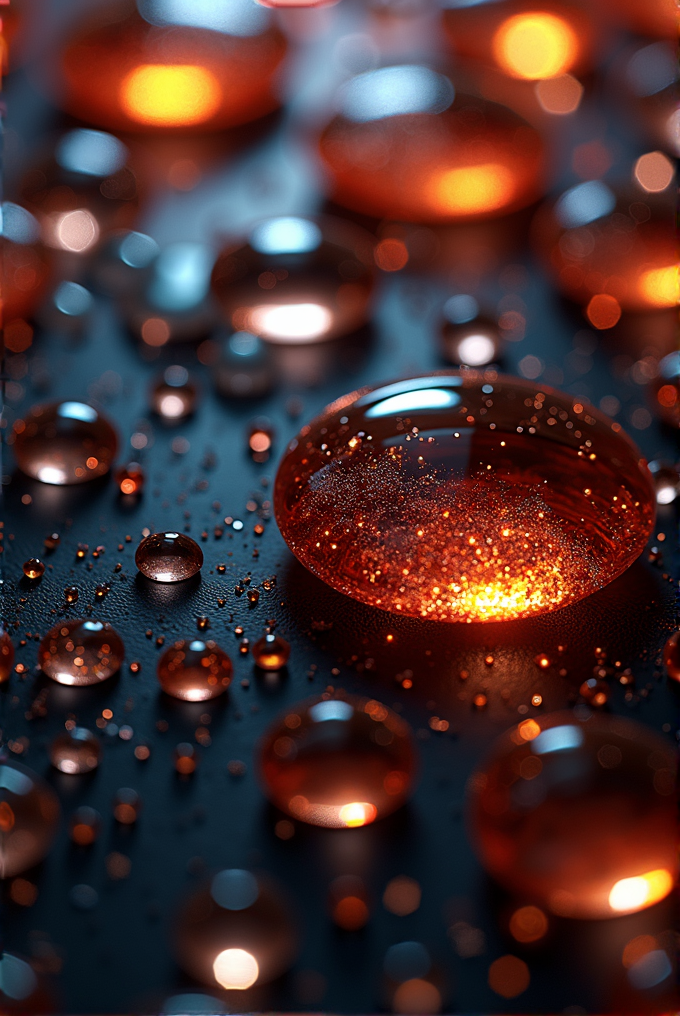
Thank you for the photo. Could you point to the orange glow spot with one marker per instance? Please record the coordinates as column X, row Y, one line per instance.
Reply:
column 528, row 924
column 357, row 814
column 6, row 817
column 631, row 894
column 509, row 976
column 155, row 331
column 667, row 396
column 661, row 286
column 603, row 311
column 259, row 441
column 350, row 913
column 654, row 172
column 235, row 969
column 528, row 730
column 559, row 96
column 18, row 335
column 472, row 189
column 535, row 45
column 636, row 949
column 170, row 96
column 391, row 255
column 402, row 896
column 416, row 995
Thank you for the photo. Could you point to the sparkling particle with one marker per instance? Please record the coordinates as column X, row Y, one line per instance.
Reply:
column 236, row 931
column 75, row 751
column 169, row 557
column 340, row 763
column 509, row 976
column 558, row 791
column 81, row 652
column 485, row 522
column 528, row 924
column 29, row 814
column 64, row 443
column 194, row 671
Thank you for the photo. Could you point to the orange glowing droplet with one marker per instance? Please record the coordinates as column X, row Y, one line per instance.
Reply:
column 64, row 442
column 75, row 751
column 33, row 568
column 29, row 813
column 347, row 762
column 405, row 146
column 528, row 924
column 603, row 311
column 194, row 671
column 85, row 826
column 535, row 45
column 271, row 652
column 391, row 255
column 671, row 656
column 509, row 976
column 163, row 95
column 169, row 557
column 461, row 481
column 598, row 787
column 79, row 653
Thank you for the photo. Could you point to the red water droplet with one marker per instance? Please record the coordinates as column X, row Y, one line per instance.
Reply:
column 29, row 814
column 194, row 671
column 271, row 652
column 76, row 751
column 64, row 443
column 169, row 557
column 81, row 652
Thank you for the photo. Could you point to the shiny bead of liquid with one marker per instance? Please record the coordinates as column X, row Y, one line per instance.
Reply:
column 169, row 65
column 666, row 390
column 194, row 671
column 76, row 751
column 33, row 568
column 64, row 443
column 29, row 814
column 297, row 280
column 22, row 991
column 467, row 337
column 126, row 806
column 671, row 656
column 6, row 656
column 169, row 557
column 404, row 144
column 85, row 826
column 81, row 652
column 578, row 815
column 130, row 479
column 271, row 652
column 464, row 497
column 236, row 931
column 339, row 763
column 174, row 396
column 610, row 252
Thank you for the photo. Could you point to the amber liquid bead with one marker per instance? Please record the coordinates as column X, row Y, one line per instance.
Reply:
column 81, row 652
column 464, row 497
column 76, row 751
column 169, row 557
column 29, row 814
column 64, row 443
column 194, row 671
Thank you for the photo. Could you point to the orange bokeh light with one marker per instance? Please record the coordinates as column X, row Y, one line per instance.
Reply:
column 660, row 287
column 603, row 311
column 166, row 95
column 535, row 45
column 471, row 190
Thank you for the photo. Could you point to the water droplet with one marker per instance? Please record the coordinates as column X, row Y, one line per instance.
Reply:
column 33, row 568
column 115, row 75
column 81, row 652
column 580, row 239
column 339, row 763
column 169, row 557
column 21, row 991
column 186, row 759
column 467, row 337
column 130, row 479
column 671, row 656
column 405, row 146
column 244, row 368
column 64, row 442
column 558, row 791
column 194, row 671
column 126, row 806
column 297, row 280
column 51, row 542
column 595, row 693
column 6, row 656
column 236, row 931
column 453, row 498
column 174, row 396
column 271, row 652
column 71, row 594
column 349, row 904
column 85, row 826
column 29, row 814
column 260, row 438
column 76, row 751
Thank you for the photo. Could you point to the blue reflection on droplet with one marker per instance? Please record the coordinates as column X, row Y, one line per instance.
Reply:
column 585, row 203
column 138, row 250
column 234, row 889
column 14, row 781
column 407, row 960
column 92, row 153
column 412, row 401
column 565, row 738
column 18, row 225
column 393, row 91
column 17, row 980
column 232, row 17
column 652, row 969
column 77, row 411
column 182, row 276
column 461, row 308
column 286, row 235
column 332, row 709
column 72, row 299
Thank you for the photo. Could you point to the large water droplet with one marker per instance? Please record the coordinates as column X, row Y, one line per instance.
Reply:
column 579, row 815
column 29, row 813
column 76, row 751
column 81, row 652
column 194, row 671
column 169, row 557
column 64, row 443
column 464, row 497
column 340, row 763
column 297, row 280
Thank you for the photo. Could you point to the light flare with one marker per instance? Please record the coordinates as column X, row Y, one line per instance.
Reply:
column 236, row 969
column 660, row 287
column 631, row 894
column 288, row 322
column 167, row 95
column 535, row 45
column 469, row 190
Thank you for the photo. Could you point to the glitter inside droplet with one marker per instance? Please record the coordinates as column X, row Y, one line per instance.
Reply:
column 64, row 443
column 339, row 763
column 81, row 652
column 271, row 652
column 559, row 792
column 169, row 557
column 75, row 751
column 464, row 497
column 194, row 671
column 29, row 813
column 33, row 568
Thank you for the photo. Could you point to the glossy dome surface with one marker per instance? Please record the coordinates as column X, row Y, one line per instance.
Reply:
column 297, row 280
column 64, row 443
column 169, row 557
column 403, row 145
column 579, row 814
column 29, row 813
column 173, row 64
column 464, row 496
column 81, row 652
column 194, row 671
column 339, row 763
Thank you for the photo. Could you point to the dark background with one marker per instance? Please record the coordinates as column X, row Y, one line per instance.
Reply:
column 117, row 956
